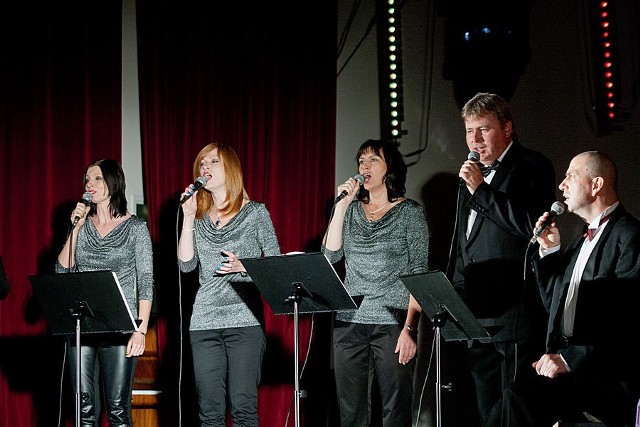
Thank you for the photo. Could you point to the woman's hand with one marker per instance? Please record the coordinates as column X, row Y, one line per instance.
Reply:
column 350, row 186
column 79, row 214
column 136, row 344
column 406, row 347
column 230, row 264
column 190, row 205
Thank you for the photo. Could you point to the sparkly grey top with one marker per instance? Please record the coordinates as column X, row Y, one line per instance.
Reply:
column 229, row 300
column 376, row 254
column 126, row 250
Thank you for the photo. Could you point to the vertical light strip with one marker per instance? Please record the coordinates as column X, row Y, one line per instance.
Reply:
column 608, row 69
column 390, row 69
column 606, row 63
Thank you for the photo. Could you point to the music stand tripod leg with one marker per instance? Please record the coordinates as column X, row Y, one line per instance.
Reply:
column 438, row 320
column 81, row 310
column 295, row 297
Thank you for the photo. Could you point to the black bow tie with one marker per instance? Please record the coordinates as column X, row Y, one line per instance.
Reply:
column 486, row 170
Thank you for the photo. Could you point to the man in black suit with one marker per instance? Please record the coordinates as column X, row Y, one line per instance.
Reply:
column 591, row 291
column 500, row 199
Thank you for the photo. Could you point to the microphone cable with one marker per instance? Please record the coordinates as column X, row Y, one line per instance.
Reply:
column 455, row 233
column 61, row 386
column 426, row 379
column 180, row 325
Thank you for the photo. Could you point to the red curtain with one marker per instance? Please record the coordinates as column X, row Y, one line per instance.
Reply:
column 261, row 77
column 245, row 75
column 59, row 110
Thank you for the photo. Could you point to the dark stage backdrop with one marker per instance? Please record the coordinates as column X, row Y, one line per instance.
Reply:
column 241, row 74
column 59, row 110
column 256, row 77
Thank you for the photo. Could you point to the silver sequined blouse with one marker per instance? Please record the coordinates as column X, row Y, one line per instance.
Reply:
column 126, row 250
column 376, row 254
column 230, row 300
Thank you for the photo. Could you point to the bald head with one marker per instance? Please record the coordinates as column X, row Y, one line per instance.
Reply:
column 589, row 186
column 599, row 164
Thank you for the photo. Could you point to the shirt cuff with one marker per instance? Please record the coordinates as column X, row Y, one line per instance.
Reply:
column 544, row 252
column 566, row 365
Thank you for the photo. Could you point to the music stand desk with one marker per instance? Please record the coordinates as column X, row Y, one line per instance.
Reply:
column 321, row 288
column 100, row 290
column 299, row 283
column 451, row 318
column 83, row 303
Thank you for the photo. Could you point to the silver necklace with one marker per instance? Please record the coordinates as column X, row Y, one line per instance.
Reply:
column 377, row 210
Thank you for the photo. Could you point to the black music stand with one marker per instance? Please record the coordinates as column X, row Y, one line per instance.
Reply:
column 83, row 303
column 299, row 283
column 451, row 318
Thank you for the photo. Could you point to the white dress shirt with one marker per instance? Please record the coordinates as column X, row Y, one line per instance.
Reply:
column 586, row 249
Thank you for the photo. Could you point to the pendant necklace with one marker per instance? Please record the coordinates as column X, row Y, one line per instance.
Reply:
column 216, row 223
column 377, row 210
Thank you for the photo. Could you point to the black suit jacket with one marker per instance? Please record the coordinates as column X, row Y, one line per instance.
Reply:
column 488, row 267
column 607, row 317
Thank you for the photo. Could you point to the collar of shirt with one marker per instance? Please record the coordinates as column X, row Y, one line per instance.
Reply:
column 599, row 222
column 487, row 170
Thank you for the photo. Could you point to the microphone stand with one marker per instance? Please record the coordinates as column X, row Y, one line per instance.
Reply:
column 439, row 320
column 80, row 311
column 296, row 297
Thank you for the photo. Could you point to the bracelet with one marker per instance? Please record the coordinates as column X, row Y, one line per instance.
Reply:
column 143, row 333
column 410, row 328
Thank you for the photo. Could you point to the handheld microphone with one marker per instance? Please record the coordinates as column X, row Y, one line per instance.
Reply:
column 556, row 209
column 198, row 184
column 473, row 156
column 345, row 193
column 86, row 199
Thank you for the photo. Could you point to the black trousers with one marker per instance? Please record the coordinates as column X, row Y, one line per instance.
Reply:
column 494, row 366
column 359, row 349
column 227, row 365
column 116, row 373
column 539, row 401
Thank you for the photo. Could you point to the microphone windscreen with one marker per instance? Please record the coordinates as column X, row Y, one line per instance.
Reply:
column 87, row 198
column 558, row 208
column 473, row 156
column 359, row 178
column 200, row 182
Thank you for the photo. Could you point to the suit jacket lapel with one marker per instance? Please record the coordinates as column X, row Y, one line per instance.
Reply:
column 591, row 268
column 595, row 259
column 500, row 175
